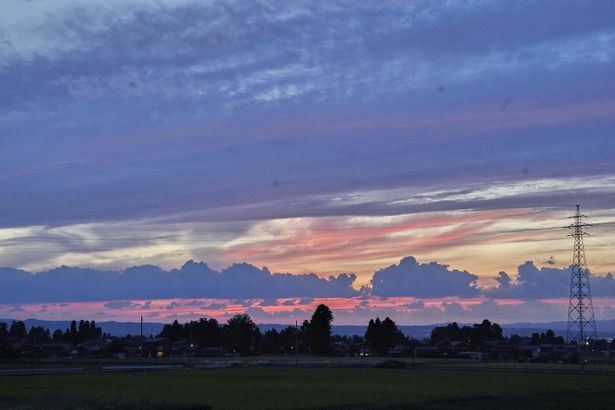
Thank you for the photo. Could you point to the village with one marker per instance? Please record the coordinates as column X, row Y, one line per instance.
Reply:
column 206, row 339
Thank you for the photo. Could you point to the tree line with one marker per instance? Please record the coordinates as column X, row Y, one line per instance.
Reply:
column 241, row 335
column 77, row 332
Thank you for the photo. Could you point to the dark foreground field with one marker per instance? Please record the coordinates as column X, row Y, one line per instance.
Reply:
column 308, row 388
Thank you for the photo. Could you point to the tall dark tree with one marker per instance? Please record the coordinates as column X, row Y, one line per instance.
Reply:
column 271, row 342
column 58, row 336
column 372, row 334
column 80, row 333
column 38, row 334
column 450, row 332
column 486, row 331
column 204, row 332
column 71, row 334
column 384, row 335
column 4, row 330
column 173, row 332
column 319, row 330
column 289, row 338
column 18, row 329
column 241, row 334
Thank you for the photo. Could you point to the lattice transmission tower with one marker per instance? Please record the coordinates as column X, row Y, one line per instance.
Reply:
column 581, row 321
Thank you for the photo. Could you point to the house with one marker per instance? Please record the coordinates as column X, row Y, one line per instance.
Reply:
column 362, row 349
column 184, row 347
column 450, row 349
column 397, row 350
column 156, row 347
column 341, row 348
column 94, row 345
column 50, row 350
column 531, row 352
column 132, row 346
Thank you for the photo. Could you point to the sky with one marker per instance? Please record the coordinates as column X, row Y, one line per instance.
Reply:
column 411, row 159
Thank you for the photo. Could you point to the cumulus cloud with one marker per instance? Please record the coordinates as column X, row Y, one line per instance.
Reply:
column 532, row 282
column 247, row 286
column 192, row 280
column 410, row 278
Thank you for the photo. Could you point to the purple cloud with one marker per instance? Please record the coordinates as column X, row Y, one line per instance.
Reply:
column 410, row 278
column 192, row 280
column 547, row 282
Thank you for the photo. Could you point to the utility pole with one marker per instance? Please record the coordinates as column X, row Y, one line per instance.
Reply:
column 581, row 321
column 296, row 343
column 142, row 353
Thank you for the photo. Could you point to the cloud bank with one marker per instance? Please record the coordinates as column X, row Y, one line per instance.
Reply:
column 409, row 279
column 532, row 282
column 193, row 279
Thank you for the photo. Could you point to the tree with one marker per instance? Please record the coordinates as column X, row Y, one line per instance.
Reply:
column 71, row 334
column 18, row 330
column 38, row 334
column 57, row 336
column 372, row 334
column 479, row 332
column 319, row 330
column 173, row 332
column 241, row 334
column 535, row 339
column 272, row 342
column 384, row 335
column 75, row 334
column 4, row 330
column 486, row 331
column 288, row 338
column 204, row 332
column 450, row 332
column 515, row 339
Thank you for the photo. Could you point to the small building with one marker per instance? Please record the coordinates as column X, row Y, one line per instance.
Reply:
column 156, row 347
column 50, row 350
column 450, row 349
column 184, row 348
column 531, row 352
column 94, row 345
column 341, row 348
column 397, row 351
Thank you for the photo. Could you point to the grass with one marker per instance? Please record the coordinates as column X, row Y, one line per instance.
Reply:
column 307, row 388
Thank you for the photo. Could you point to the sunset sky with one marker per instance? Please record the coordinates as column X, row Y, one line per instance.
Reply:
column 412, row 159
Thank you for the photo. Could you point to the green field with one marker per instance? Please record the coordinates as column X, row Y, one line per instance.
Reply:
column 308, row 388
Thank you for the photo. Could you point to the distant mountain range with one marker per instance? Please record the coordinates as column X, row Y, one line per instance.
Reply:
column 606, row 328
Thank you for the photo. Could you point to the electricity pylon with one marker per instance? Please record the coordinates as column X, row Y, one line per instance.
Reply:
column 581, row 321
